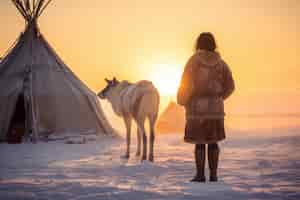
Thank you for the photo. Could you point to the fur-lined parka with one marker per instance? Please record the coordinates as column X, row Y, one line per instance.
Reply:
column 206, row 82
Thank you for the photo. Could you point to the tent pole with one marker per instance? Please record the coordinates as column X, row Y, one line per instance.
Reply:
column 33, row 7
column 42, row 10
column 21, row 6
column 39, row 6
column 20, row 10
column 37, row 2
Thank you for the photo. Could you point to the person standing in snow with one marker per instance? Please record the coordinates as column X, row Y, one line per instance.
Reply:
column 205, row 84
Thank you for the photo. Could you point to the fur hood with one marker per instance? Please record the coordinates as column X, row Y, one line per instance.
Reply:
column 208, row 58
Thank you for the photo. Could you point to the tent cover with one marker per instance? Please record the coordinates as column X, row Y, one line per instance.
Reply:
column 40, row 90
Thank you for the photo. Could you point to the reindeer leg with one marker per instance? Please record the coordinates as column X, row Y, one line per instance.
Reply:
column 144, row 137
column 138, row 151
column 127, row 121
column 152, row 137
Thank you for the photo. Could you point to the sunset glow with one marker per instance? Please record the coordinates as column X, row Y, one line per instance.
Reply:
column 166, row 77
column 89, row 107
column 154, row 39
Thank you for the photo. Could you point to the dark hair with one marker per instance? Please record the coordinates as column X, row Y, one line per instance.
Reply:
column 206, row 41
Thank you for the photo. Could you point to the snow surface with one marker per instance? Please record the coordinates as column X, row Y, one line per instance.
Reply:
column 250, row 168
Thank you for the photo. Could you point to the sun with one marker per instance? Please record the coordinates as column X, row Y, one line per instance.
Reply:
column 166, row 78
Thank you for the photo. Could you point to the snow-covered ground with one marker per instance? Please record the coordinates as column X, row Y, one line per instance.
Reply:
column 250, row 168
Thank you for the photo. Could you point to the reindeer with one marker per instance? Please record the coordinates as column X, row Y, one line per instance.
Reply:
column 138, row 101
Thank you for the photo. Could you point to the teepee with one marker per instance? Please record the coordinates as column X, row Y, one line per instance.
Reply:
column 172, row 119
column 39, row 94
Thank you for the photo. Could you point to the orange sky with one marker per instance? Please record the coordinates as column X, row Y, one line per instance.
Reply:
column 152, row 40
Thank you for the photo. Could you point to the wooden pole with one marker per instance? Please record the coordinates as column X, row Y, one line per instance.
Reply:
column 39, row 6
column 33, row 7
column 36, row 6
column 46, row 5
column 20, row 10
column 22, row 5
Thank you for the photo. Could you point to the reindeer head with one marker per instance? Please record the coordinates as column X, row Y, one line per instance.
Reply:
column 109, row 86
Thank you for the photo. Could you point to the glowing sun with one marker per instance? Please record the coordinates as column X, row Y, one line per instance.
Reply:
column 166, row 78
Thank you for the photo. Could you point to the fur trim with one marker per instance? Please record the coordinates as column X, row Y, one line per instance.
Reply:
column 209, row 58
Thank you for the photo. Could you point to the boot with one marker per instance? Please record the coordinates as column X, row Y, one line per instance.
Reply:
column 213, row 159
column 200, row 163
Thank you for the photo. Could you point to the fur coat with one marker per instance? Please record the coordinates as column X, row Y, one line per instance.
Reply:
column 205, row 84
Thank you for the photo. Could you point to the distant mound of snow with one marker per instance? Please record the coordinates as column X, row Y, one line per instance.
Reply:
column 172, row 120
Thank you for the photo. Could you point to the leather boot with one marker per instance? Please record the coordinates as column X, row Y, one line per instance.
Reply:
column 200, row 163
column 213, row 159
